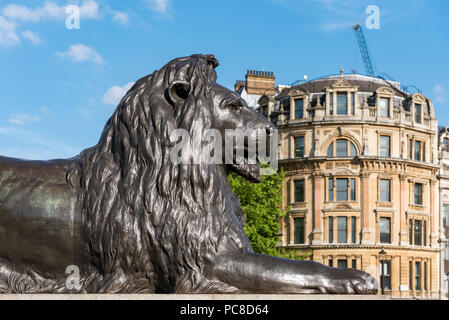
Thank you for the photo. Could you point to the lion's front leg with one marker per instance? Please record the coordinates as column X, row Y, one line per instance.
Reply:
column 257, row 273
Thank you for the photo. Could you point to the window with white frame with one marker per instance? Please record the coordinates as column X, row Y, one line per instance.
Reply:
column 384, row 107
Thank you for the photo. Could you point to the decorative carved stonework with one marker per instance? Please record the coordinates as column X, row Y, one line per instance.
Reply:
column 342, row 206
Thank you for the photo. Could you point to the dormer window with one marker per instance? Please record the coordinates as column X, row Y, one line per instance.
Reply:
column 384, row 107
column 417, row 110
column 383, row 100
column 342, row 103
column 299, row 101
column 299, row 108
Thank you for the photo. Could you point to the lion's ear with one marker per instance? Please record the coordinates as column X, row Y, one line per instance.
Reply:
column 179, row 90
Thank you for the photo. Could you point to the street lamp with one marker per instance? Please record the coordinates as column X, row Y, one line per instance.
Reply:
column 381, row 254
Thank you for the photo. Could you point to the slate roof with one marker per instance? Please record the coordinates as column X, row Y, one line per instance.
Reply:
column 365, row 84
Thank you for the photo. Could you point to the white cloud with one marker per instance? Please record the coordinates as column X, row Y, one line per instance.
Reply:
column 80, row 52
column 24, row 118
column 115, row 93
column 8, row 35
column 89, row 10
column 119, row 16
column 49, row 11
column 33, row 37
column 33, row 145
column 12, row 16
column 158, row 5
column 440, row 93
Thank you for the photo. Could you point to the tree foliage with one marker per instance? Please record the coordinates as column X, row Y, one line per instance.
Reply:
column 262, row 205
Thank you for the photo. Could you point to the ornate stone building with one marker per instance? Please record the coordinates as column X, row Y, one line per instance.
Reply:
column 361, row 161
column 444, row 207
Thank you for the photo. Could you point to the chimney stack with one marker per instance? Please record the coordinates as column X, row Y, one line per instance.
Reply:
column 259, row 82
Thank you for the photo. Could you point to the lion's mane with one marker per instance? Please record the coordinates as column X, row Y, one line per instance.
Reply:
column 144, row 215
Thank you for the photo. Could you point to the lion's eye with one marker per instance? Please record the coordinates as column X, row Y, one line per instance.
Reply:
column 235, row 107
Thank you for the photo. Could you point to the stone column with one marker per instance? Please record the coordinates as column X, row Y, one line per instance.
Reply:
column 366, row 231
column 395, row 275
column 292, row 108
column 404, row 273
column 403, row 239
column 317, row 233
column 433, row 215
column 434, row 272
column 292, row 230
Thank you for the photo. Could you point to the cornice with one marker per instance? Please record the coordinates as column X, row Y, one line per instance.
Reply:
column 341, row 246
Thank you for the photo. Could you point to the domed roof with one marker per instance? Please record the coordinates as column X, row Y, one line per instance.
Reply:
column 364, row 84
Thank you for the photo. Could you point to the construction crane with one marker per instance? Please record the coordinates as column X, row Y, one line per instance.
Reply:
column 364, row 49
column 369, row 65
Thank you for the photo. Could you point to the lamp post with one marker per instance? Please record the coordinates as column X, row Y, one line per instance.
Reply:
column 381, row 254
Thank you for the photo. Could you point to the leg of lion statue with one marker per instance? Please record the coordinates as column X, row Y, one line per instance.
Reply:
column 258, row 273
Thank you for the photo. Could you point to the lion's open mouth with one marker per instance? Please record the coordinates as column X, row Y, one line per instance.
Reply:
column 250, row 172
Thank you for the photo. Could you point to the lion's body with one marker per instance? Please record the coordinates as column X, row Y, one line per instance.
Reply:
column 132, row 220
column 120, row 204
column 39, row 223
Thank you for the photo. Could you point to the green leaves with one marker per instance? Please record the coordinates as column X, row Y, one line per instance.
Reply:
column 261, row 203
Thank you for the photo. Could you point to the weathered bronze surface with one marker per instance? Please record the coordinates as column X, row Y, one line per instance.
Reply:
column 132, row 221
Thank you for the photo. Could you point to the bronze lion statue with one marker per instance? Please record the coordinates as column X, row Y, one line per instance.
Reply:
column 126, row 219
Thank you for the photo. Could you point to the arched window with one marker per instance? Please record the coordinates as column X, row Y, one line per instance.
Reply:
column 341, row 148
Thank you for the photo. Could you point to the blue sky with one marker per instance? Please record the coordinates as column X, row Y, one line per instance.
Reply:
column 58, row 86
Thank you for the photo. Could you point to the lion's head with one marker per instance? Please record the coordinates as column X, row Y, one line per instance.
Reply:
column 128, row 180
column 194, row 101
